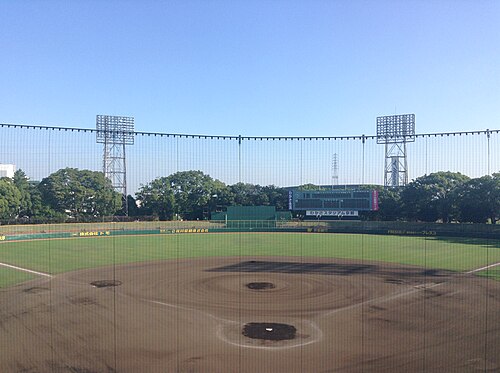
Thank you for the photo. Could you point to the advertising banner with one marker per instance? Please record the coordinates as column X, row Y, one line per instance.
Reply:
column 331, row 213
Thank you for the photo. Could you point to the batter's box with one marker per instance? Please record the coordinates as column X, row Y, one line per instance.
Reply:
column 296, row 267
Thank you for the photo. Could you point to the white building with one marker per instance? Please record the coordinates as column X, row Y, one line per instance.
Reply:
column 7, row 170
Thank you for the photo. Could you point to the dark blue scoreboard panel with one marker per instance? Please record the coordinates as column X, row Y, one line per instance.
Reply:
column 331, row 200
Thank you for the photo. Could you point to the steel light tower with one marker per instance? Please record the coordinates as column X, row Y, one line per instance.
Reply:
column 115, row 132
column 395, row 131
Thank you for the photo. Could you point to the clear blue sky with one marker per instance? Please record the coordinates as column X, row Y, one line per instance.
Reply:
column 319, row 68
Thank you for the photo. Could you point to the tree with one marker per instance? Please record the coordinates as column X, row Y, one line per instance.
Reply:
column 10, row 199
column 310, row 187
column 33, row 208
column 81, row 194
column 195, row 193
column 479, row 199
column 221, row 196
column 224, row 197
column 389, row 202
column 431, row 198
column 21, row 182
column 249, row 195
column 390, row 206
column 276, row 196
column 131, row 209
column 190, row 194
column 157, row 198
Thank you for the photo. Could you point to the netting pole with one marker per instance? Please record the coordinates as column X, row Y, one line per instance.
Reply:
column 239, row 158
column 488, row 135
column 240, row 280
column 363, row 139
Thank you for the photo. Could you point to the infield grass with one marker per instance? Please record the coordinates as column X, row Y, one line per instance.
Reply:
column 491, row 273
column 61, row 255
column 10, row 276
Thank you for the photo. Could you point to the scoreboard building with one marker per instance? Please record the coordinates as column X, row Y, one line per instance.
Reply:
column 332, row 203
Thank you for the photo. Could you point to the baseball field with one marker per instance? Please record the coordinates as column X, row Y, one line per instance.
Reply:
column 250, row 302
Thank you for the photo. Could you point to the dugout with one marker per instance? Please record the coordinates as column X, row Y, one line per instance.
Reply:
column 251, row 216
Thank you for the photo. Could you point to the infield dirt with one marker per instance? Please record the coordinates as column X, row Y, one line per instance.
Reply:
column 188, row 316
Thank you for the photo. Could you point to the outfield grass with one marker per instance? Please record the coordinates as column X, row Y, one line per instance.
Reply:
column 61, row 255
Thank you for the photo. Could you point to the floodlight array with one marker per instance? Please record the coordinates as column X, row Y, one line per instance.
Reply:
column 115, row 130
column 395, row 129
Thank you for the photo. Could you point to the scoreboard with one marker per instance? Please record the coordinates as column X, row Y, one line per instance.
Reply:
column 335, row 202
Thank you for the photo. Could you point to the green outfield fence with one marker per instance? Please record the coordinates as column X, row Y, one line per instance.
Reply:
column 486, row 231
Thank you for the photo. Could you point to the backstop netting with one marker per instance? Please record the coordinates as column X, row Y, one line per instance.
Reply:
column 193, row 253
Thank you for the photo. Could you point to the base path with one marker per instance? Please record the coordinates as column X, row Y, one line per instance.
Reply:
column 322, row 315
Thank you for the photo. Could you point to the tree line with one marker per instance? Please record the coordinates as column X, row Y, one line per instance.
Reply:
column 76, row 195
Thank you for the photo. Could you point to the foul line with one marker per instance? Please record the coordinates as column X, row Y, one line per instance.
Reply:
column 413, row 290
column 483, row 268
column 25, row 270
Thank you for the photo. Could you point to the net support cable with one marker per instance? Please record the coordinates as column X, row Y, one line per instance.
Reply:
column 240, row 138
